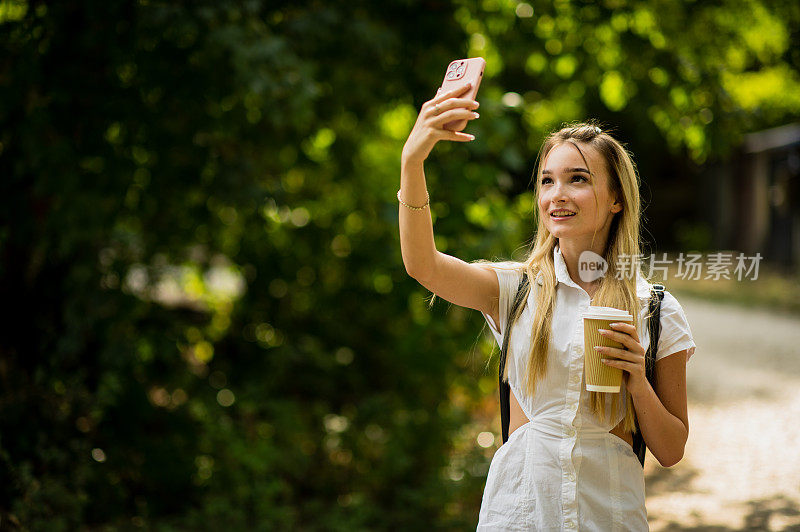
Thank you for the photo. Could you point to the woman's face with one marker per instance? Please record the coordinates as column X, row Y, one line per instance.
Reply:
column 567, row 184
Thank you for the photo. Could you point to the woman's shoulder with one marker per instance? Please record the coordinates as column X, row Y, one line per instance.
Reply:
column 506, row 268
column 503, row 264
column 645, row 288
column 670, row 302
column 676, row 333
column 509, row 274
column 513, row 271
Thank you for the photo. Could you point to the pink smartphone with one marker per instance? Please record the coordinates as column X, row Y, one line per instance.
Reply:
column 458, row 73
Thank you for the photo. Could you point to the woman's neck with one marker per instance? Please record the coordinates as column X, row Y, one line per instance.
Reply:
column 571, row 252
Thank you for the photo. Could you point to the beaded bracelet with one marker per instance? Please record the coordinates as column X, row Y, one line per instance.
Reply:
column 414, row 208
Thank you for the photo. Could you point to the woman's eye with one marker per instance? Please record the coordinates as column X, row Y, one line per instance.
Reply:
column 545, row 179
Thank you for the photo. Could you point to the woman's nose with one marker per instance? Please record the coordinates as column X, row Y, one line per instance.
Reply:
column 559, row 191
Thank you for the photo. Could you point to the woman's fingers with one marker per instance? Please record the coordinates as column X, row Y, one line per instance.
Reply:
column 453, row 114
column 446, row 107
column 443, row 95
column 452, row 103
column 626, row 328
column 449, row 100
column 609, row 352
column 625, row 339
column 457, row 136
column 446, row 100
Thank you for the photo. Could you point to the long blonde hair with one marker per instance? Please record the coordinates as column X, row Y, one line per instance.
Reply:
column 618, row 291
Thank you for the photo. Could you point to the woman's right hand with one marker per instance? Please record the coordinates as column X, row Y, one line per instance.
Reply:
column 429, row 128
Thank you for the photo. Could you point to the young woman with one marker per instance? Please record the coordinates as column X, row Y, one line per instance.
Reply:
column 568, row 463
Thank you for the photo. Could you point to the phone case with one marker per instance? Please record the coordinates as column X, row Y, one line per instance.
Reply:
column 458, row 73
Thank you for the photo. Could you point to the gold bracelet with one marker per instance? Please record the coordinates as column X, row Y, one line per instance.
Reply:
column 414, row 208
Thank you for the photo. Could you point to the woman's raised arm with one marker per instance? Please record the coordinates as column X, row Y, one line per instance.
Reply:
column 416, row 228
column 461, row 283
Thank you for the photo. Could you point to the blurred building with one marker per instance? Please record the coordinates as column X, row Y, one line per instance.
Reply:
column 754, row 200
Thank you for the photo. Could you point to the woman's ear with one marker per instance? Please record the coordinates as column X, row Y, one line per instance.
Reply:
column 616, row 207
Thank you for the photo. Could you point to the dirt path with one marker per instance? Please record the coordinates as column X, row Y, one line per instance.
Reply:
column 741, row 469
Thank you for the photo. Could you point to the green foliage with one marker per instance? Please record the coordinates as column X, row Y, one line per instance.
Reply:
column 209, row 323
column 701, row 74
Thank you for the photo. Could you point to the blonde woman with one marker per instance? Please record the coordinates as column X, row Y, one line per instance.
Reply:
column 568, row 463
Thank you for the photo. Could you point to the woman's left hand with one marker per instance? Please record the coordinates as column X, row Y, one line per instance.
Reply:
column 632, row 356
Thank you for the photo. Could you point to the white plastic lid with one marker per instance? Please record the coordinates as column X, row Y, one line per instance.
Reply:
column 607, row 313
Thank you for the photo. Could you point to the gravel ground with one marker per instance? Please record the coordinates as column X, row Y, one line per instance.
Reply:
column 741, row 468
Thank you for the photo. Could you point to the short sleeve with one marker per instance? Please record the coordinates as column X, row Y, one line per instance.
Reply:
column 676, row 335
column 508, row 281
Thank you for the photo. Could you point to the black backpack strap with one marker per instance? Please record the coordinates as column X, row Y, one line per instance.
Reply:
column 505, row 388
column 654, row 328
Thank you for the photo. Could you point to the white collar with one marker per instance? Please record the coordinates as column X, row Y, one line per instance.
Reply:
column 562, row 276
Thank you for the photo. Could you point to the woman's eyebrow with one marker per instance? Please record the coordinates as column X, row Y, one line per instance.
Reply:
column 567, row 170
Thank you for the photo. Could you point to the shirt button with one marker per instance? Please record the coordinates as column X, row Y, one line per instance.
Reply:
column 571, row 476
column 569, row 524
column 571, row 432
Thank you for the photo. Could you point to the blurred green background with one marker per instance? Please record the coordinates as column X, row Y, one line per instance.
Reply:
column 209, row 324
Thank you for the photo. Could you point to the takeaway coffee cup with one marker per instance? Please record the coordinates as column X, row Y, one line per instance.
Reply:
column 601, row 377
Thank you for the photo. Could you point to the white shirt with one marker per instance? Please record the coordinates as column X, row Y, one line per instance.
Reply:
column 563, row 470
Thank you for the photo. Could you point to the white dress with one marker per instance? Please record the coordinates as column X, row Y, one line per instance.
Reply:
column 563, row 470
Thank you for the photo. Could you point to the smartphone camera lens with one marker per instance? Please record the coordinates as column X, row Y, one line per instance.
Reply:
column 460, row 70
column 453, row 66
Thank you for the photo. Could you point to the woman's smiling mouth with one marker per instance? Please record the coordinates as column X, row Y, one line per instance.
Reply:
column 562, row 214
